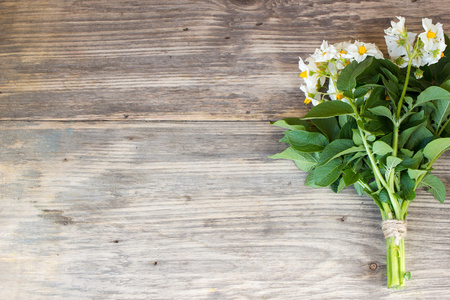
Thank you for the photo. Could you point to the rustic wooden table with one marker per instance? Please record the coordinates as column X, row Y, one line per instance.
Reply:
column 134, row 151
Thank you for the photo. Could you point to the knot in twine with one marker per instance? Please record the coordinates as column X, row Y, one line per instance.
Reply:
column 394, row 229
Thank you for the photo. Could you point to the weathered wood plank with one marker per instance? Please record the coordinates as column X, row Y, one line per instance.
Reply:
column 192, row 210
column 183, row 60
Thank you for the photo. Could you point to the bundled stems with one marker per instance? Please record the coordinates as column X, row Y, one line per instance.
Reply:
column 395, row 264
column 395, row 253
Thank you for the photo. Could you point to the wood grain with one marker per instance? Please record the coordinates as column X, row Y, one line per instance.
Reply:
column 134, row 149
column 192, row 210
column 186, row 60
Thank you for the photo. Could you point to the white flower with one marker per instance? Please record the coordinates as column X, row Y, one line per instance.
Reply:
column 341, row 48
column 396, row 28
column 311, row 95
column 333, row 93
column 342, row 53
column 310, row 72
column 433, row 35
column 397, row 42
column 417, row 61
column 428, row 57
column 359, row 51
column 324, row 53
column 397, row 45
column 431, row 44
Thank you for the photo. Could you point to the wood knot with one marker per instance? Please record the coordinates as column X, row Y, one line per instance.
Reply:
column 244, row 2
column 56, row 216
column 373, row 266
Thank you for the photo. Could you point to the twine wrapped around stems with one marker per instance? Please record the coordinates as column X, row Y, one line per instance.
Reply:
column 395, row 229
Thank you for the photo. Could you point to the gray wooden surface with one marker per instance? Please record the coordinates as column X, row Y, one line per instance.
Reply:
column 134, row 142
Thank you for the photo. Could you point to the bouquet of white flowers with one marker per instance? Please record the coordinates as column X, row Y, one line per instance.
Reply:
column 376, row 125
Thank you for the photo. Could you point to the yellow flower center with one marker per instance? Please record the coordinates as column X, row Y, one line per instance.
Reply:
column 304, row 74
column 442, row 54
column 323, row 54
column 339, row 96
column 431, row 35
column 342, row 52
column 362, row 50
column 307, row 101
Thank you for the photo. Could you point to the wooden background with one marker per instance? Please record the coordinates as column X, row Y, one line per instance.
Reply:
column 134, row 144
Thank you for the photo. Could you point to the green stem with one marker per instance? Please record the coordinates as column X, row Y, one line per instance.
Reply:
column 377, row 174
column 408, row 72
column 395, row 140
column 387, row 212
column 379, row 177
column 443, row 127
column 405, row 206
column 400, row 102
column 395, row 264
column 380, row 180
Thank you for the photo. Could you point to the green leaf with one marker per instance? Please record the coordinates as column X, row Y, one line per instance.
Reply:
column 375, row 127
column 357, row 156
column 305, row 141
column 392, row 89
column 407, row 152
column 360, row 92
column 407, row 275
column 328, row 173
column 376, row 98
column 384, row 196
column 392, row 67
column 389, row 75
column 304, row 161
column 409, row 100
column 435, row 148
column 387, row 138
column 347, row 78
column 350, row 177
column 335, row 149
column 309, row 181
column 406, row 134
column 441, row 113
column 381, row 148
column 414, row 173
column 407, row 163
column 435, row 185
column 418, row 135
column 346, row 130
column 329, row 127
column 432, row 93
column 292, row 123
column 418, row 157
column 381, row 111
column 357, row 137
column 329, row 109
column 338, row 185
column 446, row 84
column 359, row 188
column 371, row 137
column 392, row 162
column 407, row 187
